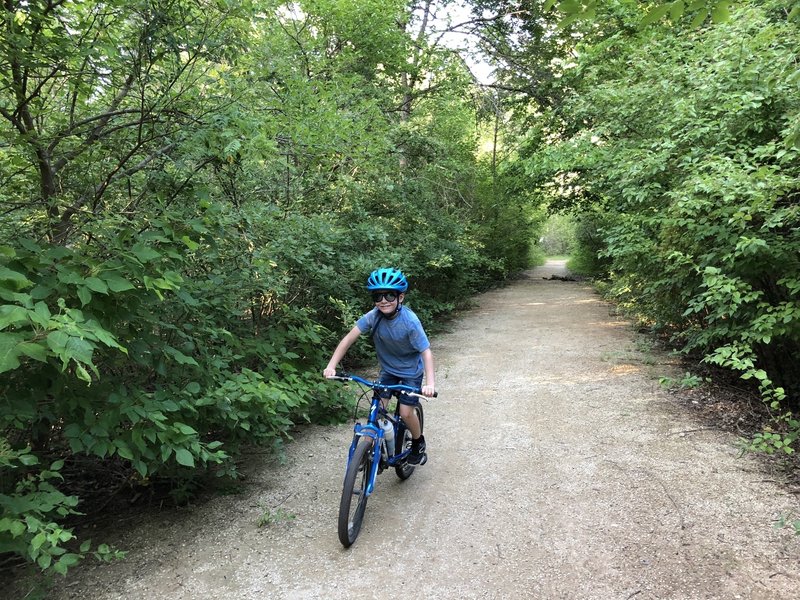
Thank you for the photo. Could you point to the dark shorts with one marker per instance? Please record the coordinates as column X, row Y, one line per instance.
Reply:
column 388, row 379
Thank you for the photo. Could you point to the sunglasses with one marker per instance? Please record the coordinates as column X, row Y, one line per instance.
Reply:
column 389, row 296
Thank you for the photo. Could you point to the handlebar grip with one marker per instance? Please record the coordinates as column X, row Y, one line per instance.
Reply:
column 339, row 377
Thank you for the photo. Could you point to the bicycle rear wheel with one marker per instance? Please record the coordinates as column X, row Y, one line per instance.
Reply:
column 354, row 492
column 403, row 442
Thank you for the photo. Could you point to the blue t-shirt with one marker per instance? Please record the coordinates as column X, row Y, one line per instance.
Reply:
column 399, row 342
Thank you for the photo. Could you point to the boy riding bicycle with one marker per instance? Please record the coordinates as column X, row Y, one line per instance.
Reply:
column 402, row 347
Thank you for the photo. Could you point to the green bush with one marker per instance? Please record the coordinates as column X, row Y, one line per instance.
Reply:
column 686, row 143
column 191, row 207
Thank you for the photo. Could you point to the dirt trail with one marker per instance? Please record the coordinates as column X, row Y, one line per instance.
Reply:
column 558, row 469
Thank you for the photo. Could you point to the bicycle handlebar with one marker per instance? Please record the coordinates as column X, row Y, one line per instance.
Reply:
column 411, row 391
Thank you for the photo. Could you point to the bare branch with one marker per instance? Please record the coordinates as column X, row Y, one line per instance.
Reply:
column 13, row 120
column 103, row 121
column 61, row 230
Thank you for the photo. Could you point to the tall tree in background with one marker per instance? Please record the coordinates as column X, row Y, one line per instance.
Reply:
column 99, row 97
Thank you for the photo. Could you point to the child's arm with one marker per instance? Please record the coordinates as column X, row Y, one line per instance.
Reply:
column 340, row 351
column 430, row 380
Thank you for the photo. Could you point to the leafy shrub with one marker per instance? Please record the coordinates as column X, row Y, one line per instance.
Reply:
column 696, row 178
column 185, row 242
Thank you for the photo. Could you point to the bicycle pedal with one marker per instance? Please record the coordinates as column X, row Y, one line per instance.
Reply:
column 422, row 460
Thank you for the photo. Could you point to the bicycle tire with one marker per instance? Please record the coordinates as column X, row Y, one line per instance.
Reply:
column 403, row 442
column 355, row 486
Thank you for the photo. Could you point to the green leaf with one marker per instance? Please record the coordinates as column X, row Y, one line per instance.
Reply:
column 700, row 18
column 123, row 449
column 40, row 292
column 11, row 314
column 721, row 12
column 655, row 15
column 180, row 357
column 44, row 561
column 29, row 460
column 9, row 351
column 13, row 280
column 42, row 314
column 68, row 348
column 33, row 350
column 84, row 294
column 97, row 285
column 184, row 457
column 568, row 20
column 17, row 528
column 37, row 542
column 145, row 254
column 117, row 283
column 141, row 467
column 569, row 6
column 104, row 336
column 69, row 560
column 82, row 373
column 57, row 340
column 69, row 276
column 676, row 10
column 185, row 429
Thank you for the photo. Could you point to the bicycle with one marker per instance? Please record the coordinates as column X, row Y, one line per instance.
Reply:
column 383, row 441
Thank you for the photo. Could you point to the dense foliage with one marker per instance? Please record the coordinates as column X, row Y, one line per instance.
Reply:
column 193, row 193
column 676, row 148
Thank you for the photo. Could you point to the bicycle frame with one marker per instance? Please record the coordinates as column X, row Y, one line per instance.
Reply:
column 373, row 430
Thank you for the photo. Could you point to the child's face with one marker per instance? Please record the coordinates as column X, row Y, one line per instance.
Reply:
column 386, row 300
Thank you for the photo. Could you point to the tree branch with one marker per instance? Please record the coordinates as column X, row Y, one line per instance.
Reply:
column 103, row 121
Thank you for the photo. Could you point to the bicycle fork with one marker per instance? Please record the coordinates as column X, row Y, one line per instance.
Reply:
column 376, row 433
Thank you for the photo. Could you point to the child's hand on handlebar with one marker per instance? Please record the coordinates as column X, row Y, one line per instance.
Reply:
column 428, row 391
column 329, row 372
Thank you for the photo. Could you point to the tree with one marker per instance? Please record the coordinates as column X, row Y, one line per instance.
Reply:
column 98, row 97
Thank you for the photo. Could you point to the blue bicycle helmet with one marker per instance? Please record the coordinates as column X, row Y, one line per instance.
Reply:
column 387, row 279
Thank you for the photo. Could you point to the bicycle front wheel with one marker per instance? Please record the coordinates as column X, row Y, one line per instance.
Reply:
column 354, row 492
column 403, row 442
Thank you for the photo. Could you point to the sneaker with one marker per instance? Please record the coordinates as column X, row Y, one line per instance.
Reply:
column 417, row 455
